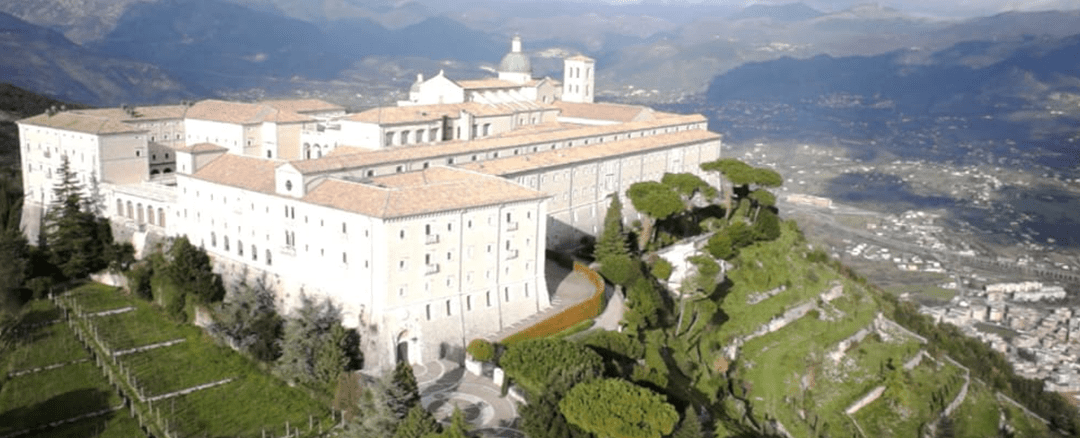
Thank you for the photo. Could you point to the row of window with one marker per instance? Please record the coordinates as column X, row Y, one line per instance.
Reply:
column 240, row 248
column 135, row 212
column 449, row 304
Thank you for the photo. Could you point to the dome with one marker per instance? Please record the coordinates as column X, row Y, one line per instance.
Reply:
column 515, row 62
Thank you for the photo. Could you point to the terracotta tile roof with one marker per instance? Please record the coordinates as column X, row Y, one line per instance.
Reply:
column 335, row 162
column 249, row 173
column 139, row 113
column 433, row 190
column 78, row 122
column 558, row 157
column 605, row 111
column 303, row 105
column 391, row 115
column 242, row 113
column 478, row 84
column 202, row 148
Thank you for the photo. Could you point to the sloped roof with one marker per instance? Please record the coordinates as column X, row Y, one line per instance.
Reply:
column 391, row 115
column 138, row 113
column 408, row 153
column 249, row 173
column 605, row 111
column 202, row 148
column 480, row 84
column 303, row 105
column 433, row 190
column 79, row 122
column 559, row 157
column 242, row 113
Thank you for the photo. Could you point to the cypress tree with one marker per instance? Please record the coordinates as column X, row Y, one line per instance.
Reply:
column 612, row 240
column 417, row 424
column 403, row 393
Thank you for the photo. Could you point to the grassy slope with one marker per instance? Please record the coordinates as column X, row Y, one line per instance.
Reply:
column 267, row 402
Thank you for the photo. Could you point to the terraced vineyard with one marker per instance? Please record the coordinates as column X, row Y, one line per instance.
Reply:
column 48, row 377
column 117, row 365
column 182, row 382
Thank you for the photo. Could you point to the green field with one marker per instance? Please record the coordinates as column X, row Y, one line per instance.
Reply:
column 267, row 403
column 907, row 404
column 37, row 399
column 978, row 416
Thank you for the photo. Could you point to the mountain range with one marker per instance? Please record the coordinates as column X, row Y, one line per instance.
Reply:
column 104, row 52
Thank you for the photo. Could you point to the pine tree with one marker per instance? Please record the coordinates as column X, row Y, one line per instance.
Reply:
column 71, row 232
column 403, row 391
column 612, row 240
column 374, row 417
column 417, row 424
column 690, row 427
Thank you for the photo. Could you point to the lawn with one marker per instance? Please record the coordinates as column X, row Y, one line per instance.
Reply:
column 977, row 416
column 143, row 326
column 39, row 398
column 46, row 345
column 774, row 366
column 907, row 404
column 96, row 297
column 194, row 362
column 242, row 407
column 268, row 404
column 116, row 424
column 774, row 265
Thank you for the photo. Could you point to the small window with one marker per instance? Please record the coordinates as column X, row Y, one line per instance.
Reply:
column 288, row 186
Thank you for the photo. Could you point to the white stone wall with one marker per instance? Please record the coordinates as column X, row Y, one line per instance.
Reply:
column 223, row 134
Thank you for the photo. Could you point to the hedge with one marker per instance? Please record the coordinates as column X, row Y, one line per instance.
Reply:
column 572, row 315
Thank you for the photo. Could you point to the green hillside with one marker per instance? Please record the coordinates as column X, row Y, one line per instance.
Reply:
column 785, row 343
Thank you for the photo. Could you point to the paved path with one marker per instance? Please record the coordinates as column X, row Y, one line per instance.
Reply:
column 444, row 385
column 567, row 288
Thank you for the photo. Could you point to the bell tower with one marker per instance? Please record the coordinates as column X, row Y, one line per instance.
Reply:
column 579, row 79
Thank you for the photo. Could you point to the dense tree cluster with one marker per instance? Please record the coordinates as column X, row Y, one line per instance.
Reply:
column 531, row 362
column 618, row 409
column 315, row 347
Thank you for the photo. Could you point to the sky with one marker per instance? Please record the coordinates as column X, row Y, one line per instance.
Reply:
column 944, row 8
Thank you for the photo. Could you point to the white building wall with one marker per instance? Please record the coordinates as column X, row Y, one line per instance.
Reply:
column 227, row 135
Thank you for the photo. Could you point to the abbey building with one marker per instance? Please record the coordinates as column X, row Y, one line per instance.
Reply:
column 426, row 222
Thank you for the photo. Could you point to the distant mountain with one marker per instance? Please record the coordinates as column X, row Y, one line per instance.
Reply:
column 80, row 21
column 43, row 60
column 1009, row 76
column 17, row 103
column 787, row 12
column 434, row 38
column 217, row 44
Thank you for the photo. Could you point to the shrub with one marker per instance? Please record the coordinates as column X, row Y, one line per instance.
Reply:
column 620, row 269
column 662, row 269
column 481, row 350
column 531, row 362
column 139, row 280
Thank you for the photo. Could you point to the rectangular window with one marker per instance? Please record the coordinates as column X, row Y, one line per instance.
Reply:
column 448, row 308
column 427, row 310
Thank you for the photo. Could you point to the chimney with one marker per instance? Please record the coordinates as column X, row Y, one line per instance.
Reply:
column 419, row 78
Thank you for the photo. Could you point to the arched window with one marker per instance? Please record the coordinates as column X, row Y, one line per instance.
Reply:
column 139, row 212
column 161, row 217
column 167, row 170
column 226, row 242
column 154, row 172
column 130, row 215
column 119, row 207
column 150, row 214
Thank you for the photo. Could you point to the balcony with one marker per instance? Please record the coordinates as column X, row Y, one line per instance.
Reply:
column 431, row 269
column 511, row 254
column 288, row 250
column 431, row 239
column 511, row 226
